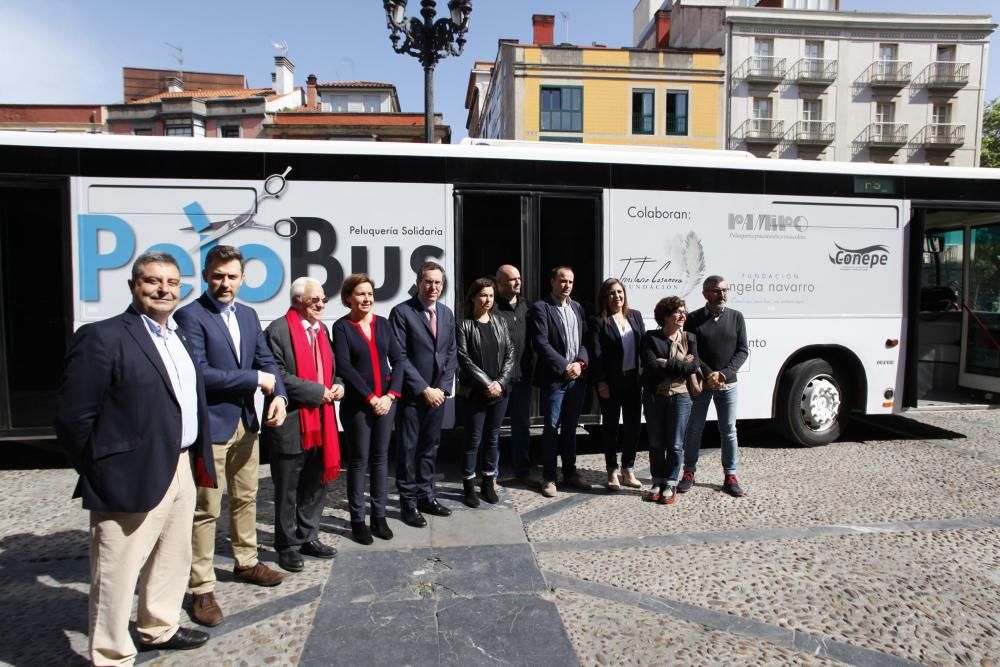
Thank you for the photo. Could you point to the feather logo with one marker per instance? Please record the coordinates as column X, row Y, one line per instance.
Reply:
column 692, row 263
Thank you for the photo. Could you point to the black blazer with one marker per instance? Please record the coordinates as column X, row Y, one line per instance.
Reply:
column 605, row 344
column 287, row 438
column 119, row 420
column 548, row 336
column 656, row 345
column 472, row 379
column 426, row 360
column 354, row 361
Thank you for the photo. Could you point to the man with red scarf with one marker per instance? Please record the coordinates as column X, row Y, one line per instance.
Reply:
column 305, row 451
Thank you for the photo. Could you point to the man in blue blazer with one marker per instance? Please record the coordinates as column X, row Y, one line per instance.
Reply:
column 556, row 327
column 231, row 349
column 132, row 416
column 425, row 330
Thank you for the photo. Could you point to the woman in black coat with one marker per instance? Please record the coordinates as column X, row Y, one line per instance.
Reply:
column 669, row 355
column 614, row 336
column 485, row 368
column 368, row 357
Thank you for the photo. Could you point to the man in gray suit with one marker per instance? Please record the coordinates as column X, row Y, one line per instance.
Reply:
column 305, row 453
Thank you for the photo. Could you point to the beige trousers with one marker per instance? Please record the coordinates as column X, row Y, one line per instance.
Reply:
column 238, row 458
column 152, row 549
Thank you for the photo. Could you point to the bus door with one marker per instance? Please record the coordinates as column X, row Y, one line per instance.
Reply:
column 34, row 305
column 535, row 231
column 958, row 337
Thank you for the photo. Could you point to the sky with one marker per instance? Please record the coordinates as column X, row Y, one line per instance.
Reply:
column 72, row 52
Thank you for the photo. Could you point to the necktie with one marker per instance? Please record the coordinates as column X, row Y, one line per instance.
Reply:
column 234, row 330
column 434, row 322
column 317, row 357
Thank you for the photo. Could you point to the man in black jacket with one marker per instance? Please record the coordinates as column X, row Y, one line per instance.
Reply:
column 512, row 305
column 722, row 348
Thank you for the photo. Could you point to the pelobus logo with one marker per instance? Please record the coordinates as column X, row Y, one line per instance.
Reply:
column 860, row 259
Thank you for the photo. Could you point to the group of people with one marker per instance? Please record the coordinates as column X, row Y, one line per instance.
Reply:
column 157, row 407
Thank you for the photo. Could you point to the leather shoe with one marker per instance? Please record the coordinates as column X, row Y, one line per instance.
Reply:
column 413, row 517
column 433, row 507
column 360, row 532
column 317, row 549
column 206, row 610
column 184, row 639
column 291, row 560
column 259, row 574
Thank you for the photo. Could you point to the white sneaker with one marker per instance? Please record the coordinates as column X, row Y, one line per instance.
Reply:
column 549, row 489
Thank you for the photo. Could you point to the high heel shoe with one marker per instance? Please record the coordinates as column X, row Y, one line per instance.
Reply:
column 380, row 528
column 361, row 533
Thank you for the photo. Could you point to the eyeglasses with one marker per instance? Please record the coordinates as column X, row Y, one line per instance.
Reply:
column 316, row 299
column 719, row 290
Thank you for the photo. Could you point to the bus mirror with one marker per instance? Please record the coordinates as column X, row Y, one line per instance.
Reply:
column 933, row 244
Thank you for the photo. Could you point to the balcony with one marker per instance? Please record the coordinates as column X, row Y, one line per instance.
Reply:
column 766, row 131
column 813, row 132
column 941, row 135
column 946, row 75
column 761, row 69
column 888, row 74
column 885, row 135
column 815, row 71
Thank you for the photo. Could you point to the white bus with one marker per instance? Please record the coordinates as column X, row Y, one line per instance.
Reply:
column 866, row 287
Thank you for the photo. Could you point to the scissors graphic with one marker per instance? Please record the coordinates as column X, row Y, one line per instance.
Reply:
column 286, row 228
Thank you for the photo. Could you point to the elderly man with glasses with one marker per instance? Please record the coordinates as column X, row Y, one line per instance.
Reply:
column 722, row 350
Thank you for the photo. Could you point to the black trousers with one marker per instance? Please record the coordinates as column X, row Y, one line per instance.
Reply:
column 625, row 400
column 416, row 457
column 299, row 495
column 368, row 453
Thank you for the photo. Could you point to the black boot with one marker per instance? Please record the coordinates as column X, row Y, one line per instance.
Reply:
column 488, row 490
column 471, row 499
column 361, row 533
column 380, row 528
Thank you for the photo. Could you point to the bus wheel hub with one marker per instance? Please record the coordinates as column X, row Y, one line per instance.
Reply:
column 820, row 403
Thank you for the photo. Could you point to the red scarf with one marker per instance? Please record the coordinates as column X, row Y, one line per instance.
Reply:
column 319, row 425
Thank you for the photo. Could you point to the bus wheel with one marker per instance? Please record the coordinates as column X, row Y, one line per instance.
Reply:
column 812, row 409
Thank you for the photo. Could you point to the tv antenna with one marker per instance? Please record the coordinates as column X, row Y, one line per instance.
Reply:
column 565, row 17
column 281, row 46
column 178, row 54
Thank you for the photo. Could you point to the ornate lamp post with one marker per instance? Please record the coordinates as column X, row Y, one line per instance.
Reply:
column 428, row 41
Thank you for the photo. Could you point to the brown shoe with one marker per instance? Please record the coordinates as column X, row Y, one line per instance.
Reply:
column 205, row 609
column 259, row 574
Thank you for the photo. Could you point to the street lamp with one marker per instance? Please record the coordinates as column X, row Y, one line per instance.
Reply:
column 428, row 41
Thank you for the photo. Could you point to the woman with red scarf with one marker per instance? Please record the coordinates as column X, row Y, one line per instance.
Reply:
column 369, row 358
column 305, row 450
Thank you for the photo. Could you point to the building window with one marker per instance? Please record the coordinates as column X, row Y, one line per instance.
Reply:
column 813, row 64
column 562, row 109
column 565, row 140
column 372, row 103
column 888, row 62
column 142, row 131
column 642, row 112
column 229, row 131
column 338, row 103
column 178, row 131
column 677, row 112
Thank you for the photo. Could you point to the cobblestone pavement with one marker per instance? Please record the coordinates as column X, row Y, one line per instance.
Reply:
column 882, row 549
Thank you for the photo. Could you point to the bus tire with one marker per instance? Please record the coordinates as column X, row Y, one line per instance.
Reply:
column 812, row 405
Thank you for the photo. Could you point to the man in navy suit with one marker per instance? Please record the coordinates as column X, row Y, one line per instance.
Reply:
column 231, row 349
column 425, row 330
column 131, row 414
column 556, row 326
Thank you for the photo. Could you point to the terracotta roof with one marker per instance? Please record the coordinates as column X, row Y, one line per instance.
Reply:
column 215, row 93
column 354, row 84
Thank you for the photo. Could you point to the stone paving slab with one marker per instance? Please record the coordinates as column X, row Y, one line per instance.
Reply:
column 450, row 606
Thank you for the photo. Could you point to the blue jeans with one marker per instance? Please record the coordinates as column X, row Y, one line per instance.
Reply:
column 482, row 433
column 666, row 424
column 519, row 411
column 561, row 406
column 725, row 408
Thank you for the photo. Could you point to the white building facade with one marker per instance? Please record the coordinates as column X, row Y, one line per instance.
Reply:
column 850, row 86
